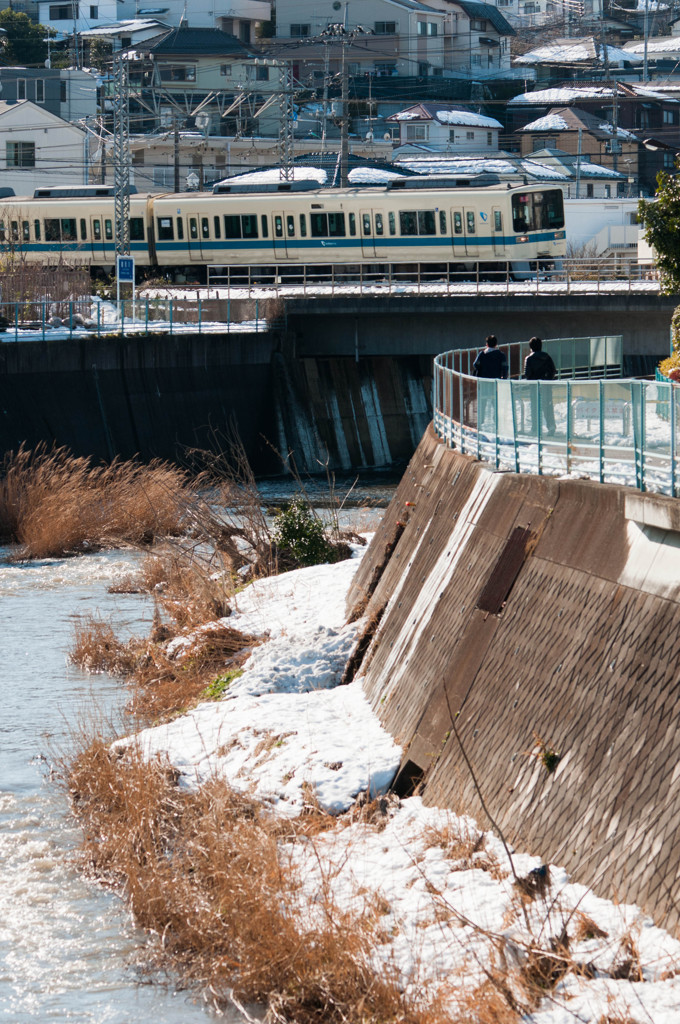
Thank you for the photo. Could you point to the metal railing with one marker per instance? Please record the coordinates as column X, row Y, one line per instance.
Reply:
column 566, row 276
column 49, row 320
column 589, row 422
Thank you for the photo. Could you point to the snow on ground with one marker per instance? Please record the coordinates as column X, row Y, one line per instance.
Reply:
column 442, row 889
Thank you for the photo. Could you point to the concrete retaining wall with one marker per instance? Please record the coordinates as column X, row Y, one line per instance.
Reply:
column 527, row 616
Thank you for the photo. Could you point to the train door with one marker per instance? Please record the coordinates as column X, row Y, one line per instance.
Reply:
column 367, row 238
column 280, row 246
column 194, row 240
column 472, row 223
column 497, row 235
column 457, row 233
column 97, row 238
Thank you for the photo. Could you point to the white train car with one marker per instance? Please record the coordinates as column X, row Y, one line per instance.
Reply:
column 384, row 225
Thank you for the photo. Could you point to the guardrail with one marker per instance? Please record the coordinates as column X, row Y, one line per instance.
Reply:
column 49, row 320
column 589, row 422
column 622, row 273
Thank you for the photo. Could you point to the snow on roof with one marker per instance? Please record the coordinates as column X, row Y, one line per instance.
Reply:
column 371, row 176
column 272, row 175
column 125, row 27
column 666, row 44
column 460, row 165
column 539, row 170
column 621, row 132
column 565, row 94
column 467, row 117
column 572, row 53
column 599, row 172
column 549, row 123
column 659, row 92
column 406, row 115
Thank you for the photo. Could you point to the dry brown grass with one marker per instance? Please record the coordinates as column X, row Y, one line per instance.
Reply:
column 161, row 685
column 53, row 503
column 191, row 584
column 206, row 871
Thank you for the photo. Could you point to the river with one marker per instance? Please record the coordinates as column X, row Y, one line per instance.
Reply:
column 68, row 951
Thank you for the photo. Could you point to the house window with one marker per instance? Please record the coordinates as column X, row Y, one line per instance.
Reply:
column 225, row 70
column 298, row 30
column 178, row 73
column 477, row 25
column 669, row 117
column 452, row 134
column 669, row 159
column 589, row 191
column 125, row 41
column 383, row 68
column 262, row 74
column 39, row 90
column 385, row 28
column 607, row 191
column 476, row 58
column 427, row 28
column 94, row 13
column 470, row 136
column 20, row 154
column 63, row 12
column 62, row 92
column 21, row 88
column 489, row 138
column 417, row 132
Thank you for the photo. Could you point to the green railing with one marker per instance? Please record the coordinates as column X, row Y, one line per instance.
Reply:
column 48, row 319
column 589, row 422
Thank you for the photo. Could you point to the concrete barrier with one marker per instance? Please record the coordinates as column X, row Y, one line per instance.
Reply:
column 527, row 625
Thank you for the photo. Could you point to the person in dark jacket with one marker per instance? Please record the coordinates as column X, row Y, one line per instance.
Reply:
column 491, row 362
column 538, row 365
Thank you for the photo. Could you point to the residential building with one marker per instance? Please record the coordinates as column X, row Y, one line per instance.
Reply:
column 207, row 76
column 387, row 38
column 69, row 16
column 38, row 149
column 240, row 17
column 441, row 126
column 568, row 58
column 64, row 92
column 592, row 140
column 123, row 34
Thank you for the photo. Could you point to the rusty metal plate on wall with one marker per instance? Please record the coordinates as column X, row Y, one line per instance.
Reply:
column 505, row 572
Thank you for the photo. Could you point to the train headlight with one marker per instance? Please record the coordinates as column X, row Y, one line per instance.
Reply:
column 523, row 238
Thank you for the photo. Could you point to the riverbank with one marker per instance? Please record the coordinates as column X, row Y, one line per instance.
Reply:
column 432, row 903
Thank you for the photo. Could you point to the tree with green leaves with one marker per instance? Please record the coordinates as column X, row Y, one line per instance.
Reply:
column 661, row 219
column 24, row 40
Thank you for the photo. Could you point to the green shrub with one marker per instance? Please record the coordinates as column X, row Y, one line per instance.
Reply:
column 219, row 686
column 299, row 533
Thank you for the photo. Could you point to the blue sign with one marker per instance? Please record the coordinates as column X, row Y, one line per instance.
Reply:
column 126, row 269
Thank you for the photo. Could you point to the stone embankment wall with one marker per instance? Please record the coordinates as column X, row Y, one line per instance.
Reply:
column 521, row 624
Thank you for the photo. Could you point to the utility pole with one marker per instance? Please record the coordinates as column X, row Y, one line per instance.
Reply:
column 615, row 126
column 324, row 121
column 175, row 132
column 286, row 123
column 121, row 154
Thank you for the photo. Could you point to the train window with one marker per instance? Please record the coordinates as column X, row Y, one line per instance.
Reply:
column 232, row 226
column 265, row 226
column 352, row 224
column 366, row 223
column 136, row 229
column 457, row 223
column 36, row 230
column 470, row 221
column 96, row 229
column 2, row 231
column 180, row 227
column 68, row 229
column 83, row 229
column 249, row 225
column 379, row 224
column 393, row 224
column 290, row 225
column 336, row 225
column 303, row 225
column 408, row 222
column 319, row 224
column 426, row 223
column 25, row 231
column 533, row 211
column 108, row 229
column 205, row 227
column 278, row 226
column 442, row 222
column 193, row 228
column 15, row 231
column 51, row 230
column 165, row 232
column 218, row 229
column 497, row 220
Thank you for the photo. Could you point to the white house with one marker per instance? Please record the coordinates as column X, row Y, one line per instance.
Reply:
column 38, row 149
column 122, row 34
column 238, row 18
column 443, row 126
column 66, row 15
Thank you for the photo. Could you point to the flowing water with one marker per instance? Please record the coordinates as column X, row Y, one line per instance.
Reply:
column 67, row 949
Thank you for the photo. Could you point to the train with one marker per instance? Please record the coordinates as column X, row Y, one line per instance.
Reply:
column 289, row 225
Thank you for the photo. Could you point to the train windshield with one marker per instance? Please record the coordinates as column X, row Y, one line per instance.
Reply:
column 536, row 211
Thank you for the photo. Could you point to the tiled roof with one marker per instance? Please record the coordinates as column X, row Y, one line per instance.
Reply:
column 489, row 13
column 196, row 42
